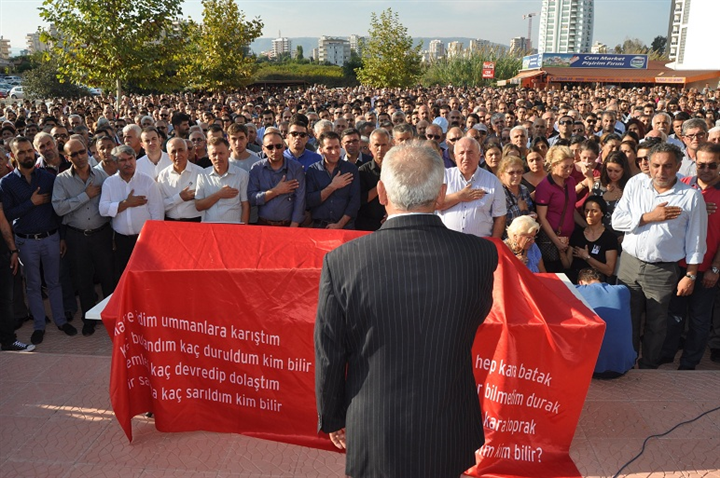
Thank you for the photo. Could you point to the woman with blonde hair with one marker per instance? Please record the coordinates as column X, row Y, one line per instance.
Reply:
column 555, row 199
column 521, row 241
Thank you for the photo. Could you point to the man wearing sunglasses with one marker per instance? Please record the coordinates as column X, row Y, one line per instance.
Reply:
column 697, row 308
column 277, row 185
column 76, row 197
column 565, row 129
column 297, row 139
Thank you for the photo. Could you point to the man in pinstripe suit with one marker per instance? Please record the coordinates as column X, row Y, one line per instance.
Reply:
column 397, row 315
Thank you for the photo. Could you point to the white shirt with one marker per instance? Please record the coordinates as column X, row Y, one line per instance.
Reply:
column 145, row 166
column 666, row 241
column 474, row 217
column 131, row 220
column 226, row 210
column 171, row 183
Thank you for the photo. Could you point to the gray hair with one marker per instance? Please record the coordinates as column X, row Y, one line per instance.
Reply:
column 147, row 117
column 321, row 126
column 132, row 127
column 413, row 175
column 523, row 225
column 713, row 130
column 122, row 149
column 41, row 135
column 665, row 115
column 694, row 123
column 667, row 148
column 380, row 132
column 520, row 128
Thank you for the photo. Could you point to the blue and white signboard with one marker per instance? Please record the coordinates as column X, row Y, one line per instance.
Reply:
column 585, row 60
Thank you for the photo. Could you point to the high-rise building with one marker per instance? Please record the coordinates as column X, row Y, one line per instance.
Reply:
column 4, row 49
column 437, row 49
column 455, row 49
column 692, row 31
column 356, row 43
column 333, row 50
column 34, row 44
column 518, row 46
column 566, row 26
column 281, row 45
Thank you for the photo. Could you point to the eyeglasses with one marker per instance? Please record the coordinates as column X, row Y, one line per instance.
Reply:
column 74, row 155
column 433, row 136
column 566, row 122
column 297, row 134
column 695, row 136
column 60, row 135
column 640, row 159
column 270, row 147
column 452, row 140
column 591, row 121
column 710, row 166
column 226, row 120
column 197, row 140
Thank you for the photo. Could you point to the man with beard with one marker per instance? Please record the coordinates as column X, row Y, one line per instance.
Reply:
column 26, row 196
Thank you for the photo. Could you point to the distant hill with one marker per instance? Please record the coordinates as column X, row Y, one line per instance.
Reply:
column 308, row 43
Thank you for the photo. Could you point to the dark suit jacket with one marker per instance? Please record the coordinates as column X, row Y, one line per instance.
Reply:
column 399, row 309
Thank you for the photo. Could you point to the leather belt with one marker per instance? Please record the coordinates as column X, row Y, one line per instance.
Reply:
column 267, row 222
column 89, row 232
column 38, row 236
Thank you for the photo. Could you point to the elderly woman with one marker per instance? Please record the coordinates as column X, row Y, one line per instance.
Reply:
column 555, row 199
column 521, row 241
column 517, row 196
column 493, row 155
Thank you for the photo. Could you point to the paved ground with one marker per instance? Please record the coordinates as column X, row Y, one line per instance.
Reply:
column 56, row 421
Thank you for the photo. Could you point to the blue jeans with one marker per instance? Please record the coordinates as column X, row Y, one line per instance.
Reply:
column 33, row 253
column 698, row 308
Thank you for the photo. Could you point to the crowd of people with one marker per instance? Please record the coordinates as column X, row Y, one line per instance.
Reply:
column 619, row 186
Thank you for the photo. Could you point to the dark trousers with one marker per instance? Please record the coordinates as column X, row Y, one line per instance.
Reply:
column 90, row 256
column 124, row 246
column 7, row 318
column 651, row 285
column 698, row 308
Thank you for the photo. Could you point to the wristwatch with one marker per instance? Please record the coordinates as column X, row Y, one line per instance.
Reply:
column 715, row 270
column 15, row 251
column 691, row 276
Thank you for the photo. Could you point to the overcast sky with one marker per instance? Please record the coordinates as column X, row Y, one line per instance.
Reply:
column 496, row 20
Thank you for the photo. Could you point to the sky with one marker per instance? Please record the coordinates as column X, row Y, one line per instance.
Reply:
column 494, row 20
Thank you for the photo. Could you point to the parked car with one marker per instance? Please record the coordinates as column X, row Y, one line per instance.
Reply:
column 17, row 93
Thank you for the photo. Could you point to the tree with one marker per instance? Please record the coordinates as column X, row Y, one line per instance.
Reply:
column 113, row 43
column 42, row 81
column 658, row 44
column 352, row 65
column 222, row 60
column 299, row 53
column 631, row 46
column 388, row 56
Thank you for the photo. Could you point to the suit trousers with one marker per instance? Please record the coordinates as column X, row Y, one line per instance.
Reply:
column 651, row 285
column 44, row 252
column 124, row 246
column 7, row 319
column 91, row 255
column 698, row 308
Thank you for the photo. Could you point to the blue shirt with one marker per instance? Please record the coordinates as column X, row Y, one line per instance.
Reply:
column 306, row 159
column 285, row 207
column 26, row 217
column 341, row 202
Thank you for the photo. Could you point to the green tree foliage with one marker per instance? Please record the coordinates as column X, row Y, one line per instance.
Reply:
column 467, row 71
column 352, row 66
column 658, row 44
column 388, row 55
column 112, row 43
column 42, row 81
column 299, row 53
column 631, row 46
column 221, row 61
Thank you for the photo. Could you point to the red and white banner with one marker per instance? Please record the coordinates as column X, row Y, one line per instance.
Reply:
column 488, row 71
column 212, row 329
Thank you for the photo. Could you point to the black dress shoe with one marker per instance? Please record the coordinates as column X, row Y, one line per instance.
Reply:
column 715, row 355
column 68, row 329
column 88, row 329
column 37, row 337
column 69, row 316
column 685, row 367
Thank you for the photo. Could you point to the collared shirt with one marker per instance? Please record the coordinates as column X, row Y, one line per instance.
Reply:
column 549, row 193
column 55, row 170
column 246, row 164
column 16, row 192
column 131, row 220
column 171, row 183
column 306, row 159
column 145, row 166
column 665, row 241
column 285, row 207
column 342, row 202
column 511, row 203
column 70, row 200
column 226, row 210
column 710, row 194
column 474, row 217
column 687, row 166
